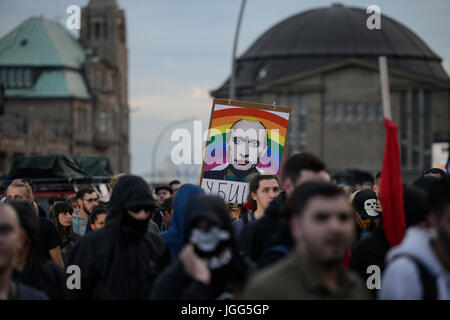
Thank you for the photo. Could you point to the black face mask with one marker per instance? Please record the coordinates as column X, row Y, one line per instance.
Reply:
column 214, row 247
column 134, row 227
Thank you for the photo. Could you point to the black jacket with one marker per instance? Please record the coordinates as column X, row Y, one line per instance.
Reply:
column 370, row 250
column 175, row 284
column 39, row 272
column 47, row 277
column 279, row 247
column 121, row 260
column 255, row 237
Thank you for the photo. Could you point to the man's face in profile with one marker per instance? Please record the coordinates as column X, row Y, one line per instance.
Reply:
column 246, row 143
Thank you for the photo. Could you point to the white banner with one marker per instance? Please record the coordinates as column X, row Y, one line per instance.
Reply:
column 230, row 191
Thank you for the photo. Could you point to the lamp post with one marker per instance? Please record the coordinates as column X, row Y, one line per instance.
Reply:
column 158, row 139
column 232, row 89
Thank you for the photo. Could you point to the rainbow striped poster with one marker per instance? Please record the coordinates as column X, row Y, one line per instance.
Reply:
column 244, row 140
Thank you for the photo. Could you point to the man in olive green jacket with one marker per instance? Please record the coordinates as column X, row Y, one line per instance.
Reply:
column 323, row 227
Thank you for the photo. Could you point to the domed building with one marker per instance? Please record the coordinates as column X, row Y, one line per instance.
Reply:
column 323, row 63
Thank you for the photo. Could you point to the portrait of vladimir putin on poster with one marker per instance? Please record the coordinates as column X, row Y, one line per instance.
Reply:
column 245, row 139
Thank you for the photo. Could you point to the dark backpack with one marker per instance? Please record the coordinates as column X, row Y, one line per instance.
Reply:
column 429, row 288
column 280, row 250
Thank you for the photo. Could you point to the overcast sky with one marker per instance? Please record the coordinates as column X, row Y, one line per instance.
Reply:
column 179, row 50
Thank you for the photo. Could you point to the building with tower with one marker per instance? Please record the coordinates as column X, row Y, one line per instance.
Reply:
column 66, row 95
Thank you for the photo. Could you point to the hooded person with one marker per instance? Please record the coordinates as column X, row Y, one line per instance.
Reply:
column 121, row 260
column 175, row 235
column 31, row 267
column 209, row 266
column 373, row 248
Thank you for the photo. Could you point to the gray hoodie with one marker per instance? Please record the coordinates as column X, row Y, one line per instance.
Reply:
column 401, row 278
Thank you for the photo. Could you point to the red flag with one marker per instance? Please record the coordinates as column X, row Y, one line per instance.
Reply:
column 391, row 189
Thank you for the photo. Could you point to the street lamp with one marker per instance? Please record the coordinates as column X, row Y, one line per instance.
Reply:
column 232, row 89
column 158, row 138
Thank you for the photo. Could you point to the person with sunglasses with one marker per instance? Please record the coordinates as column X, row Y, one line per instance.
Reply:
column 122, row 259
column 87, row 200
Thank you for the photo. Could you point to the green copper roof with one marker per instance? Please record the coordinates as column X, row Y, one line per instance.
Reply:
column 41, row 43
column 54, row 84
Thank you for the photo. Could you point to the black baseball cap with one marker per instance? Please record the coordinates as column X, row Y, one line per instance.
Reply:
column 163, row 187
column 365, row 203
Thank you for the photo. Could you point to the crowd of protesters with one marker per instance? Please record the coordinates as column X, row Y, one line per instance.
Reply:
column 301, row 237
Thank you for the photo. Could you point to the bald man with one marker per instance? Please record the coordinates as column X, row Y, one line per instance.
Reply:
column 11, row 241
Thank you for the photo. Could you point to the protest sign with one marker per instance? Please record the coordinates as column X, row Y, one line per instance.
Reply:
column 244, row 139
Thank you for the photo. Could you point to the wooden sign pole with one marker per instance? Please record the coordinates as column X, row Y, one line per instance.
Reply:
column 385, row 94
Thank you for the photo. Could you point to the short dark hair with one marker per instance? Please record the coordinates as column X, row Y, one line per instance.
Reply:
column 438, row 171
column 439, row 196
column 171, row 183
column 54, row 199
column 167, row 204
column 377, row 176
column 254, row 185
column 83, row 191
column 163, row 187
column 415, row 205
column 301, row 161
column 95, row 212
column 425, row 182
column 299, row 199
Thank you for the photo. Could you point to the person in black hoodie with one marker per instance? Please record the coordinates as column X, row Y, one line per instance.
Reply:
column 209, row 266
column 121, row 260
column 31, row 267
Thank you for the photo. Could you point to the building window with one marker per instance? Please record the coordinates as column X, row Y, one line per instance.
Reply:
column 105, row 30
column 103, row 121
column 415, row 129
column 326, row 111
column 427, row 129
column 404, row 128
column 98, row 78
column 348, row 112
column 262, row 73
column 15, row 77
column 280, row 100
column 82, row 120
column 369, row 112
column 380, row 112
column 3, row 76
column 11, row 78
column 303, row 112
column 122, row 33
column 97, row 30
column 3, row 162
column 27, row 77
column 358, row 112
column 337, row 111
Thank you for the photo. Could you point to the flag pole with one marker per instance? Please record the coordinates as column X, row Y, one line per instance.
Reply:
column 391, row 185
column 385, row 94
